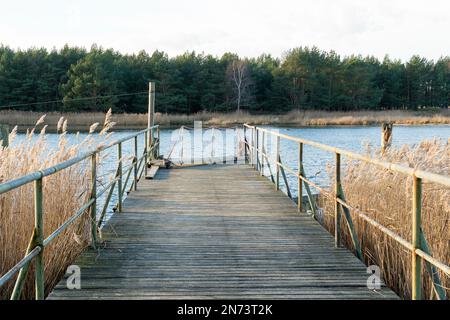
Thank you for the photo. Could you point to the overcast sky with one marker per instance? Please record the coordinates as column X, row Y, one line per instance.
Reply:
column 399, row 28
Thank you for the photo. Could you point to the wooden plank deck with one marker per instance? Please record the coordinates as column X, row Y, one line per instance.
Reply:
column 218, row 231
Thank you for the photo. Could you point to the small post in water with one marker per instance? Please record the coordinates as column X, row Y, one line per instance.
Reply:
column 386, row 136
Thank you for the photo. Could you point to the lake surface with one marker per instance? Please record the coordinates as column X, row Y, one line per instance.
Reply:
column 215, row 145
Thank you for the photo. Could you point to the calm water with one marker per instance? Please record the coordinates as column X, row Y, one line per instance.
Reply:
column 350, row 138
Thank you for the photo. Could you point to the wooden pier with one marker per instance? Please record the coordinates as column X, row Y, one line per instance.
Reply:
column 216, row 231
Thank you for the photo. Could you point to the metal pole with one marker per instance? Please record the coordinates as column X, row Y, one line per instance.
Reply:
column 337, row 213
column 39, row 233
column 135, row 162
column 299, row 173
column 119, row 181
column 94, row 196
column 416, row 230
column 151, row 112
column 277, row 162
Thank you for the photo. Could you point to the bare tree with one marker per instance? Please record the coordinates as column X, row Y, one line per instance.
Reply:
column 240, row 80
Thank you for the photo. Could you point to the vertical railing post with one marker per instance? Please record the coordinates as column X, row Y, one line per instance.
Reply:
column 277, row 163
column 245, row 146
column 299, row 173
column 159, row 142
column 145, row 152
column 94, row 197
column 135, row 162
column 39, row 240
column 119, row 181
column 416, row 231
column 257, row 149
column 337, row 213
column 262, row 153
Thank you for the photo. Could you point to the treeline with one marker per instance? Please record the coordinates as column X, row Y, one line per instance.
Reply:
column 305, row 78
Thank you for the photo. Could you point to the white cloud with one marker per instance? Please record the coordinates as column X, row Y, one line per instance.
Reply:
column 399, row 28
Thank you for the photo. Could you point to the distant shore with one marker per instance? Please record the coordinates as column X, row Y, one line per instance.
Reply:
column 82, row 121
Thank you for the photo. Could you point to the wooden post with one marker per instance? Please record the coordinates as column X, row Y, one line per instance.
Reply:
column 39, row 239
column 386, row 136
column 299, row 173
column 135, row 162
column 4, row 134
column 337, row 213
column 94, row 197
column 416, row 273
column 119, row 181
column 277, row 158
column 151, row 115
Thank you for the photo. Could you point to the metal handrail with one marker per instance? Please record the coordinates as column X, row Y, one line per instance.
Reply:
column 418, row 247
column 38, row 243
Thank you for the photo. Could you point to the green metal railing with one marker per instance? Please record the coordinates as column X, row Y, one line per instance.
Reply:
column 419, row 248
column 35, row 249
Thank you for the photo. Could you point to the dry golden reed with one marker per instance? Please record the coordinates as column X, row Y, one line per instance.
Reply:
column 82, row 121
column 386, row 197
column 64, row 193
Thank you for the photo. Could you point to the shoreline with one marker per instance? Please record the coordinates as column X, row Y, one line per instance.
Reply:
column 80, row 122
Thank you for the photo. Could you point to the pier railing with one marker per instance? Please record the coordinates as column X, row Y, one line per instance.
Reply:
column 37, row 242
column 258, row 157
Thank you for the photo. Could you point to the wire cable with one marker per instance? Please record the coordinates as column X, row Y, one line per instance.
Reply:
column 70, row 100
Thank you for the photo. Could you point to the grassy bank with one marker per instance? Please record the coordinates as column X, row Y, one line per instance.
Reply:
column 82, row 121
column 387, row 198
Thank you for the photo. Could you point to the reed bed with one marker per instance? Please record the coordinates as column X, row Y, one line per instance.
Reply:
column 387, row 198
column 64, row 193
column 82, row 121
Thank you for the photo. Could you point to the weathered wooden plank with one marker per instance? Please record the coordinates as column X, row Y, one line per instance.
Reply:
column 216, row 232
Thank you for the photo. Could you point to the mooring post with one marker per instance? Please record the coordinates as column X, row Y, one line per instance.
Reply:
column 94, row 198
column 151, row 116
column 277, row 162
column 119, row 181
column 299, row 182
column 416, row 274
column 135, row 162
column 386, row 136
column 337, row 213
column 39, row 240
column 4, row 134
